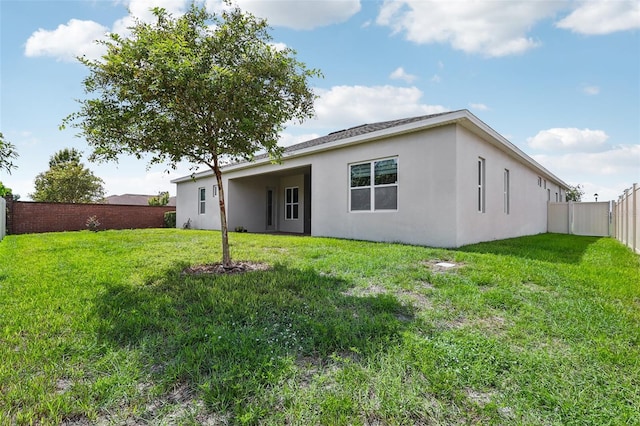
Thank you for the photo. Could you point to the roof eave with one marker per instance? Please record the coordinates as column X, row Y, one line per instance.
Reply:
column 462, row 117
column 503, row 142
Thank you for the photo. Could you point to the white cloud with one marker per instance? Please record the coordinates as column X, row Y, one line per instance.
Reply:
column 491, row 28
column 436, row 78
column 301, row 15
column 479, row 107
column 607, row 172
column 603, row 17
column 279, row 46
column 591, row 90
column 78, row 37
column 623, row 159
column 400, row 74
column 68, row 41
column 346, row 106
column 569, row 139
column 142, row 10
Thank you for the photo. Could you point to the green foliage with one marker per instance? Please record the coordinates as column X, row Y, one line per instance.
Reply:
column 534, row 330
column 193, row 88
column 7, row 154
column 4, row 191
column 575, row 193
column 161, row 200
column 67, row 181
column 170, row 219
column 64, row 157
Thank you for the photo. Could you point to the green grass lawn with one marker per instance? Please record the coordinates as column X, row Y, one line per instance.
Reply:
column 104, row 328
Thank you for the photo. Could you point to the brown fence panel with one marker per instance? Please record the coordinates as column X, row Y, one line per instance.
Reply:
column 3, row 218
column 34, row 217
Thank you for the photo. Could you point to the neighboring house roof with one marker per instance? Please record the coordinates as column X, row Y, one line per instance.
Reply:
column 384, row 129
column 134, row 199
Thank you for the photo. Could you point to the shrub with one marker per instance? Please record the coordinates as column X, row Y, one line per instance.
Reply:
column 170, row 219
column 92, row 223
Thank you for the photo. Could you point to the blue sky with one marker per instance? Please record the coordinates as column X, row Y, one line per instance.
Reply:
column 560, row 79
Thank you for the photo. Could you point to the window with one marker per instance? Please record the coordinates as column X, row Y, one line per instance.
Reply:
column 291, row 205
column 557, row 198
column 545, row 184
column 506, row 191
column 481, row 185
column 215, row 191
column 548, row 194
column 379, row 193
column 539, row 181
column 202, row 193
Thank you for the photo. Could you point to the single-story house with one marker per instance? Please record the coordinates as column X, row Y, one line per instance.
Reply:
column 442, row 180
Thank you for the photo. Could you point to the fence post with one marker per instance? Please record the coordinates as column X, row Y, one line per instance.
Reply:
column 627, row 197
column 619, row 218
column 634, row 217
column 570, row 217
column 3, row 218
column 9, row 214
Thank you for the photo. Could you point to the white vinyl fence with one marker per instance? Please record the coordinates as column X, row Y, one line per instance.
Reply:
column 592, row 219
column 3, row 218
column 625, row 211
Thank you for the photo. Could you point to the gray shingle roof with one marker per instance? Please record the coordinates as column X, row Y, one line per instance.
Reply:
column 134, row 199
column 359, row 130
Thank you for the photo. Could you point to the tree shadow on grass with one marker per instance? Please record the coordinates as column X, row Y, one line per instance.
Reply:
column 554, row 248
column 230, row 336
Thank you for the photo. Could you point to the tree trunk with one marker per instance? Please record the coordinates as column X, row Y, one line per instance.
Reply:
column 226, row 257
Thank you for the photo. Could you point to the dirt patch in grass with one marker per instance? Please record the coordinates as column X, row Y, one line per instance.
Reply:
column 220, row 269
column 493, row 324
column 417, row 300
column 477, row 397
column 372, row 290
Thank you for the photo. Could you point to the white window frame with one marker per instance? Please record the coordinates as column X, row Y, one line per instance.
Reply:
column 202, row 200
column 372, row 185
column 292, row 204
column 482, row 186
column 215, row 191
column 507, row 191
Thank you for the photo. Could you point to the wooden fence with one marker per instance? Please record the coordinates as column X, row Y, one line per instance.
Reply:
column 627, row 222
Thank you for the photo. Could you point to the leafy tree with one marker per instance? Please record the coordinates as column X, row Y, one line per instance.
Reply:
column 67, row 181
column 7, row 153
column 161, row 200
column 575, row 193
column 202, row 87
column 4, row 191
